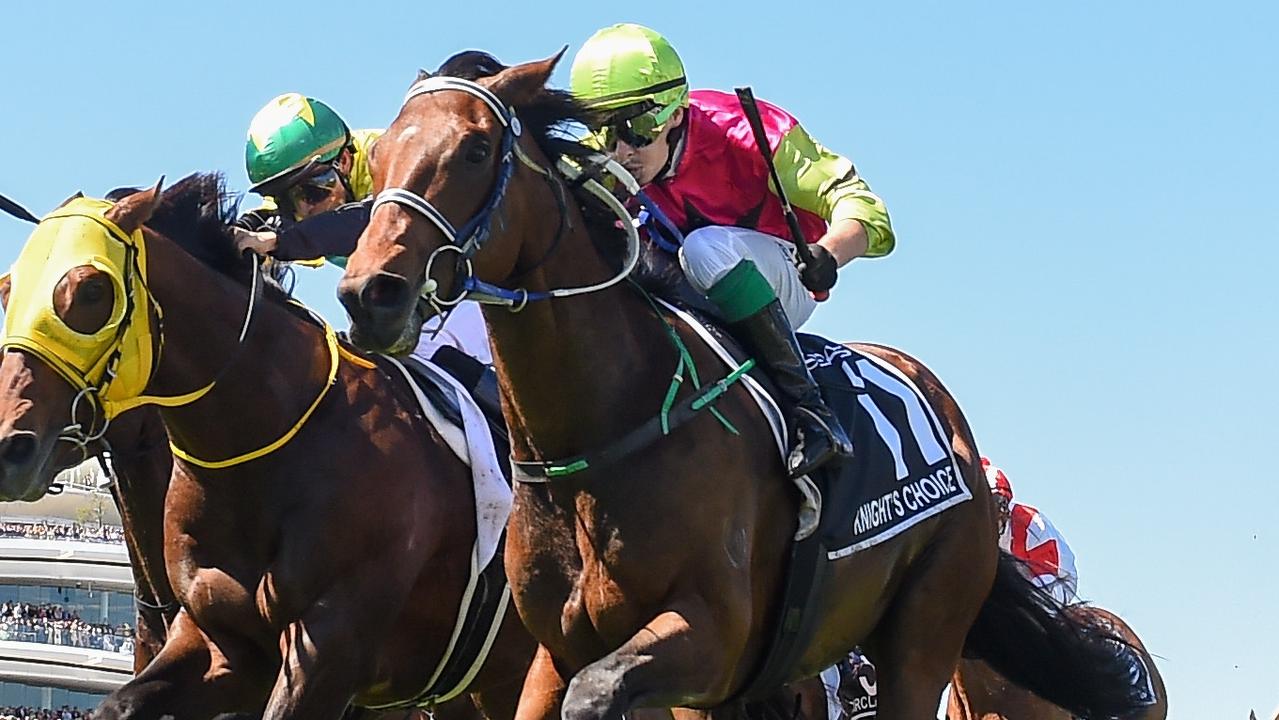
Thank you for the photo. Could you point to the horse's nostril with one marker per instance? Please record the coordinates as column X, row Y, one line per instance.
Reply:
column 385, row 292
column 19, row 448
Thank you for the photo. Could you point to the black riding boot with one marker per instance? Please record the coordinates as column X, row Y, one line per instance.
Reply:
column 818, row 436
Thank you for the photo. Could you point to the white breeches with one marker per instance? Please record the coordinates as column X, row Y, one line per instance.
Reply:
column 464, row 329
column 710, row 252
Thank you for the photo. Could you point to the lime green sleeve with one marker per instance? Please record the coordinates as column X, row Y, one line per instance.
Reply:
column 826, row 184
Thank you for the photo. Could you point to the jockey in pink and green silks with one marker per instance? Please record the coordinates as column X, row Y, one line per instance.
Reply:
column 696, row 158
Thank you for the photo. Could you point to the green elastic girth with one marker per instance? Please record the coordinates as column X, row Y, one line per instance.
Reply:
column 686, row 361
column 568, row 468
column 742, row 292
column 703, row 399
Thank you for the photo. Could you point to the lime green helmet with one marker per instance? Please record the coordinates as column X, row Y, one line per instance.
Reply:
column 629, row 64
column 289, row 133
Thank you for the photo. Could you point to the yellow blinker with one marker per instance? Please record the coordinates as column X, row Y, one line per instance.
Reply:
column 74, row 235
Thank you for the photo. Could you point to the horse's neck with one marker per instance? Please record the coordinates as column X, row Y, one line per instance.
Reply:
column 262, row 387
column 577, row 372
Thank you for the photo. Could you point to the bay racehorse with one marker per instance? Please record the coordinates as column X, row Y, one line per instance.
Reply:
column 330, row 567
column 653, row 577
column 140, row 465
column 980, row 693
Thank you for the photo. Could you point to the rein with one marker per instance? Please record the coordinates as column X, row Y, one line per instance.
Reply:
column 331, row 342
column 669, row 418
column 75, row 432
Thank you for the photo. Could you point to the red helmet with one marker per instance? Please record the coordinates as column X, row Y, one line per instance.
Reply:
column 997, row 480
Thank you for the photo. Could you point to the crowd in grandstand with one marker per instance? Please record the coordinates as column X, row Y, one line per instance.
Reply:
column 65, row 712
column 55, row 625
column 41, row 529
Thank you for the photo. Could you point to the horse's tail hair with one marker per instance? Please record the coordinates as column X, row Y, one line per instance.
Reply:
column 1026, row 635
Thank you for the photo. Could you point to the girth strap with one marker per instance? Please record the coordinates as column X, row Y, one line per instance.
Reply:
column 662, row 424
column 804, row 578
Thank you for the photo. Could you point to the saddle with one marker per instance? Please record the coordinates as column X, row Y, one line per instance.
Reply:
column 480, row 381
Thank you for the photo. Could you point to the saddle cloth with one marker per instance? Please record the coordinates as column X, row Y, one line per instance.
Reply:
column 903, row 471
column 454, row 414
column 471, row 441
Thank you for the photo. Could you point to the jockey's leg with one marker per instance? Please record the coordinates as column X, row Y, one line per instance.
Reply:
column 461, row 348
column 749, row 276
column 463, row 328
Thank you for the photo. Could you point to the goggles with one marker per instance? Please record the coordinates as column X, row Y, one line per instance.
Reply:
column 639, row 130
column 314, row 188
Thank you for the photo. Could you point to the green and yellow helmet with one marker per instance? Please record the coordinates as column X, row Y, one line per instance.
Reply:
column 290, row 132
column 626, row 65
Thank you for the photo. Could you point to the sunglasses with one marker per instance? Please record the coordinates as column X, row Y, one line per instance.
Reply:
column 638, row 131
column 315, row 188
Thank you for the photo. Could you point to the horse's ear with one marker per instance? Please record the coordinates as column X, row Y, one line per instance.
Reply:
column 421, row 75
column 520, row 84
column 6, row 284
column 131, row 212
column 75, row 196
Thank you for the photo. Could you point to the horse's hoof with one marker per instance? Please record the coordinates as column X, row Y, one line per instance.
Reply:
column 590, row 697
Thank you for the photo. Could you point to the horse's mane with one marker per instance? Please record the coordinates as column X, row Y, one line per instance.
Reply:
column 197, row 214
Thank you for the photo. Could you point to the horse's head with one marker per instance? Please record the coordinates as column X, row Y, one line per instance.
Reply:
column 449, row 209
column 72, row 302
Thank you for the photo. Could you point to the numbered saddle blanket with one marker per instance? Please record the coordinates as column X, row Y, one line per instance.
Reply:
column 902, row 472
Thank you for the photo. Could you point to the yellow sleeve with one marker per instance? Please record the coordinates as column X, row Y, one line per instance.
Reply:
column 826, row 184
column 268, row 206
column 361, row 176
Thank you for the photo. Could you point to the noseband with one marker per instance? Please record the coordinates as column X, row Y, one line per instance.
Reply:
column 468, row 240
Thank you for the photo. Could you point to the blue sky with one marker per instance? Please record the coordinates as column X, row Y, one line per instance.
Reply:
column 1083, row 193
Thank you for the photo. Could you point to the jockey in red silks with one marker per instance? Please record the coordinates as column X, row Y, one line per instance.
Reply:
column 1027, row 534
column 695, row 157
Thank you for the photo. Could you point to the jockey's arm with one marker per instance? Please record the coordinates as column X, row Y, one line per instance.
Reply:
column 1063, row 564
column 329, row 234
column 846, row 240
column 826, row 184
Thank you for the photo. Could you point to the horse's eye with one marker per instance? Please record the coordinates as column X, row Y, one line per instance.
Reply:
column 479, row 152
column 93, row 291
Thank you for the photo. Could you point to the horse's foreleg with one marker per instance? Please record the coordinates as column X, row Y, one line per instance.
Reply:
column 149, row 638
column 543, row 691
column 678, row 659
column 957, row 707
column 322, row 654
column 189, row 679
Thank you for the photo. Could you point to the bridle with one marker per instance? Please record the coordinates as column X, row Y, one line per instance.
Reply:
column 466, row 241
column 95, row 384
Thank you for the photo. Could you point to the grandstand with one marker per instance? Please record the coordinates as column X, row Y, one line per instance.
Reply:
column 66, row 600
